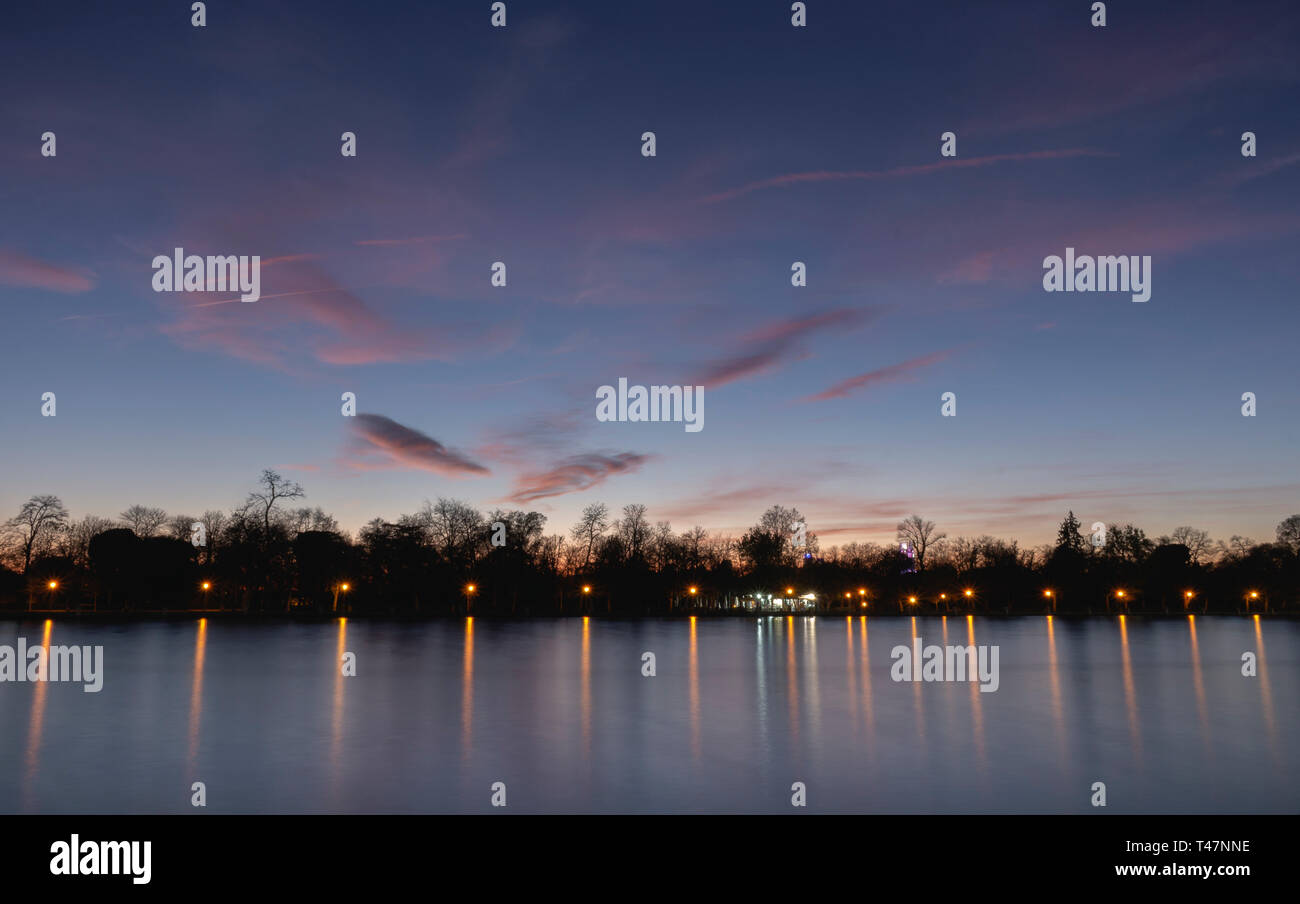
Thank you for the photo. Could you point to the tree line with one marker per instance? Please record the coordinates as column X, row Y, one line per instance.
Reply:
column 270, row 555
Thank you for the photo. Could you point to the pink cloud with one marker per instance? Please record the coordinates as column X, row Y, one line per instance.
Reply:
column 574, row 474
column 397, row 445
column 302, row 309
column 771, row 345
column 891, row 374
column 20, row 270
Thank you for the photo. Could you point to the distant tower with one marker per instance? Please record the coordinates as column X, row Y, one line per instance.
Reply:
column 906, row 549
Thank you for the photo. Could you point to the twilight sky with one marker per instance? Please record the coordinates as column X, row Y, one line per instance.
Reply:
column 774, row 144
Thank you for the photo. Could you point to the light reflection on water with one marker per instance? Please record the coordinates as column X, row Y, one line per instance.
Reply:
column 738, row 710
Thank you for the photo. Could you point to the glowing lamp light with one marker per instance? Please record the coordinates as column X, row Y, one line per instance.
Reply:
column 54, row 585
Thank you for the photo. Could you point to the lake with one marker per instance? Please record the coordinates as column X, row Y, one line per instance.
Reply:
column 739, row 709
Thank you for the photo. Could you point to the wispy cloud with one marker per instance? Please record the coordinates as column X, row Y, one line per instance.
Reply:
column 304, row 309
column 18, row 269
column 574, row 474
column 1248, row 170
column 415, row 240
column 765, row 348
column 397, row 446
column 898, row 172
column 890, row 374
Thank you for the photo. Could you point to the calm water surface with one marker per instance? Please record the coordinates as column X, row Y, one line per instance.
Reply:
column 739, row 710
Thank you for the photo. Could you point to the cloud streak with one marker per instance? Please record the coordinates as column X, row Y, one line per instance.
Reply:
column 766, row 348
column 882, row 375
column 575, row 474
column 401, row 446
column 20, row 270
column 897, row 172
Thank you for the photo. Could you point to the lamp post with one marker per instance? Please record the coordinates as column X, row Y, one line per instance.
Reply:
column 205, row 587
column 1250, row 597
column 1121, row 597
column 469, row 597
column 586, row 594
column 1187, row 599
column 1051, row 598
column 53, row 585
column 339, row 588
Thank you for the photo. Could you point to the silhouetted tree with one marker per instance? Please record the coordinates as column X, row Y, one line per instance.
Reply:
column 590, row 528
column 37, row 523
column 273, row 488
column 920, row 535
column 144, row 521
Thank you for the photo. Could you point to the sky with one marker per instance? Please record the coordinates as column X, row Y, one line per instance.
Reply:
column 774, row 144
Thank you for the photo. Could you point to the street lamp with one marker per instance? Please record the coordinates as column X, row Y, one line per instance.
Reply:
column 1051, row 597
column 1253, row 595
column 1119, row 595
column 339, row 588
column 1187, row 598
column 469, row 594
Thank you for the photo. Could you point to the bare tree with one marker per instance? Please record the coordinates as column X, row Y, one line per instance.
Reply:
column 309, row 519
column 693, row 542
column 1197, row 541
column 634, row 530
column 76, row 540
column 1236, row 549
column 181, row 527
column 273, row 488
column 962, row 553
column 590, row 528
column 920, row 535
column 143, row 520
column 37, row 523
column 454, row 527
column 1288, row 533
